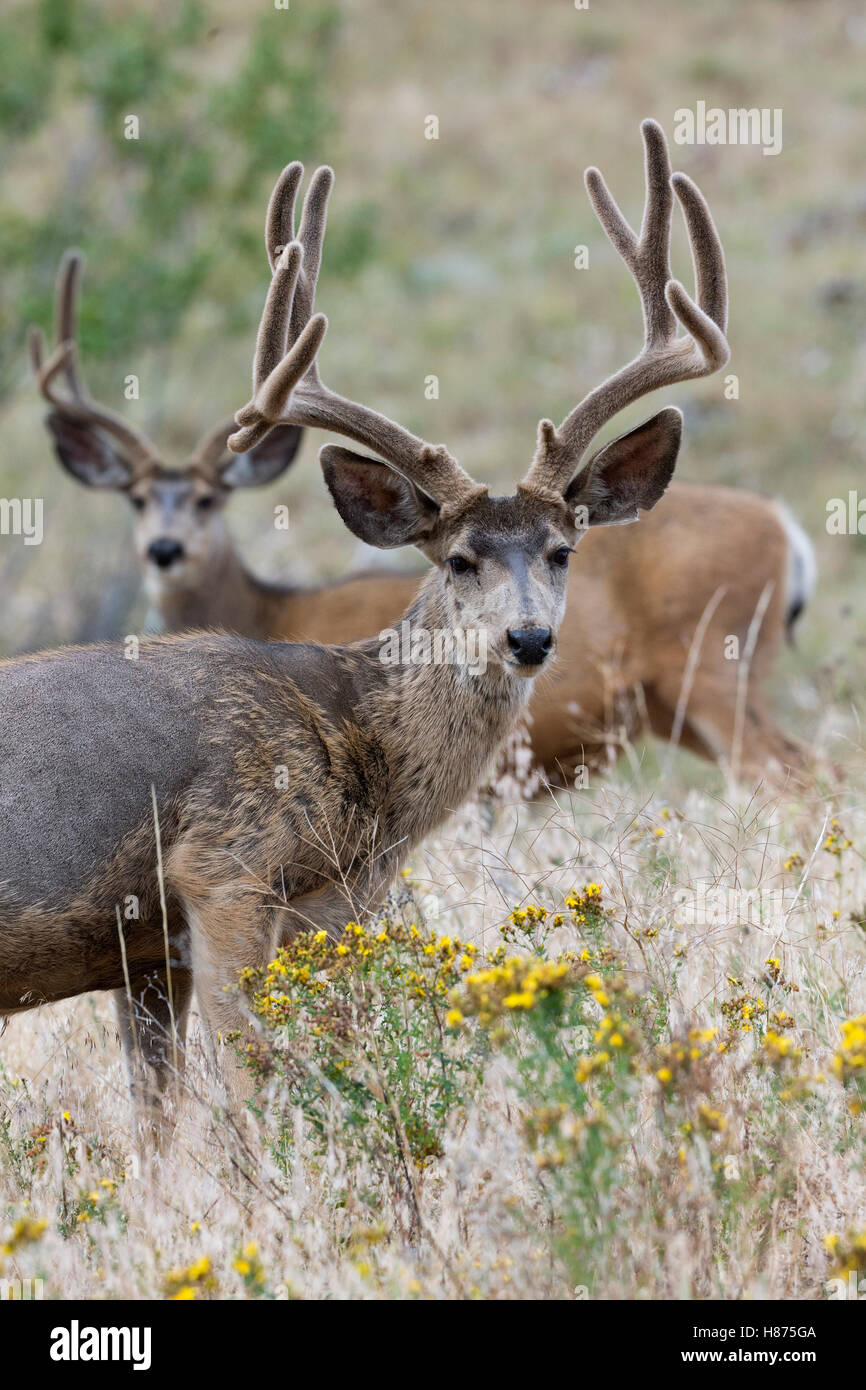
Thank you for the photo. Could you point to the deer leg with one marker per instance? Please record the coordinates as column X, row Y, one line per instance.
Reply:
column 590, row 742
column 765, row 752
column 661, row 718
column 225, row 937
column 748, row 741
column 327, row 909
column 153, row 1034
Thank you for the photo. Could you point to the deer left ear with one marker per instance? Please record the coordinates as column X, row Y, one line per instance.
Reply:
column 378, row 505
column 88, row 453
column 628, row 475
column 265, row 462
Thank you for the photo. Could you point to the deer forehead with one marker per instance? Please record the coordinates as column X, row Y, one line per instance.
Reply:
column 169, row 487
column 499, row 528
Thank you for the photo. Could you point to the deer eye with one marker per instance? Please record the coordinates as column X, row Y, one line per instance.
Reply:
column 138, row 503
column 459, row 564
column 560, row 557
column 204, row 503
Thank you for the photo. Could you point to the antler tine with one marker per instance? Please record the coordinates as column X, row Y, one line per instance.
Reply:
column 664, row 358
column 311, row 235
column 284, row 257
column 280, row 220
column 77, row 407
column 62, row 358
column 210, row 448
column 272, row 337
column 708, row 256
column 647, row 255
column 66, row 313
column 287, row 387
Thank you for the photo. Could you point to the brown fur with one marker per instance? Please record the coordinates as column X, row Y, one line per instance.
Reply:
column 290, row 780
column 245, row 862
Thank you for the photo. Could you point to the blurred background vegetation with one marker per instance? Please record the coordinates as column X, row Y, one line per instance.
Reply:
column 451, row 257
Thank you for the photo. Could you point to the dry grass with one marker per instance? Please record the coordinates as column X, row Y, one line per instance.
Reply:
column 738, row 1212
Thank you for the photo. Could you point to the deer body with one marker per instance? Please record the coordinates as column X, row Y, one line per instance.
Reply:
column 290, row 785
column 637, row 597
column 632, row 619
column 290, row 779
column 255, row 726
column 226, row 595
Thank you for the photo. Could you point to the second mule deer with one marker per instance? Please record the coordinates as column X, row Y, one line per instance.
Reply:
column 291, row 780
column 645, row 641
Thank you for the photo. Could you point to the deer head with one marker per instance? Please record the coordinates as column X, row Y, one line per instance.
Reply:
column 179, row 528
column 502, row 561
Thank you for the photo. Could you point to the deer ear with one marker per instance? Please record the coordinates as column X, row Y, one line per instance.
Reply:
column 88, row 454
column 629, row 474
column 378, row 505
column 265, row 462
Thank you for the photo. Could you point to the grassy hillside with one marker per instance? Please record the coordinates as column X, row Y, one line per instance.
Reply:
column 452, row 257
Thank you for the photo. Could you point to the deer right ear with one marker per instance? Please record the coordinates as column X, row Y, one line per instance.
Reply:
column 377, row 504
column 629, row 474
column 88, row 454
column 264, row 462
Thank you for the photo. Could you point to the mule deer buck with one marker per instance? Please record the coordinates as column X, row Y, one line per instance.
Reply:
column 644, row 643
column 291, row 780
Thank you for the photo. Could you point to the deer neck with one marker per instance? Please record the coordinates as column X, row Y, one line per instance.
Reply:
column 440, row 724
column 222, row 595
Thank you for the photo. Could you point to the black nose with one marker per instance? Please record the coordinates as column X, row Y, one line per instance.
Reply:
column 164, row 552
column 530, row 644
